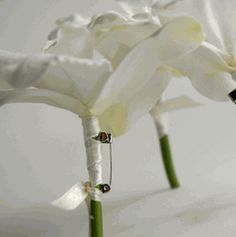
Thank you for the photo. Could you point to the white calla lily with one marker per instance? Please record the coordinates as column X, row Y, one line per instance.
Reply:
column 157, row 50
column 159, row 115
column 111, row 33
column 62, row 81
column 93, row 83
column 211, row 68
column 93, row 89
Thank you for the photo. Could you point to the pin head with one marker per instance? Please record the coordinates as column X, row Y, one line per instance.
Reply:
column 104, row 137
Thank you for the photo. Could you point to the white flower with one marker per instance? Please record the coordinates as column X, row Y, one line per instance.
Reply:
column 211, row 68
column 110, row 33
column 87, row 87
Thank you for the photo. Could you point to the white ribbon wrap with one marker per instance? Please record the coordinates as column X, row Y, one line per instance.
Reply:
column 86, row 190
column 94, row 156
column 162, row 124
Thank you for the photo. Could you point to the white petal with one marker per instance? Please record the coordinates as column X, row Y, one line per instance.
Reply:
column 133, row 7
column 176, row 39
column 71, row 37
column 118, row 41
column 79, row 78
column 220, row 21
column 205, row 59
column 217, row 17
column 114, row 34
column 17, row 70
column 42, row 96
column 207, row 67
column 106, row 21
column 169, row 105
column 119, row 117
column 215, row 86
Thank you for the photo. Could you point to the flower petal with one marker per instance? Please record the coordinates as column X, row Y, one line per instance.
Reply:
column 177, row 38
column 81, row 79
column 215, row 86
column 177, row 103
column 119, row 117
column 217, row 17
column 48, row 97
column 71, row 37
column 133, row 7
column 18, row 70
column 114, row 34
column 116, row 43
column 106, row 21
column 208, row 69
column 205, row 59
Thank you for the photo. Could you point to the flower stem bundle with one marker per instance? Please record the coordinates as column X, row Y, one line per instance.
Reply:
column 94, row 158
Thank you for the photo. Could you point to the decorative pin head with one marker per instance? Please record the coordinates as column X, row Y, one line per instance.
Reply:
column 104, row 137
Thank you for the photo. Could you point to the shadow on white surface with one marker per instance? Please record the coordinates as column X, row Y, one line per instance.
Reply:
column 165, row 213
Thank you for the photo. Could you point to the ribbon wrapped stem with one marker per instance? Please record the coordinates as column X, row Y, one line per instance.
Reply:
column 94, row 159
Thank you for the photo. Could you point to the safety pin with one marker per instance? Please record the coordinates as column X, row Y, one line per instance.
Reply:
column 106, row 138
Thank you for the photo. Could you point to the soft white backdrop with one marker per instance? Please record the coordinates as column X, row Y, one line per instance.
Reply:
column 42, row 152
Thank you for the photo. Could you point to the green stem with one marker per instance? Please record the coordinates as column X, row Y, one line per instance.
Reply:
column 168, row 162
column 96, row 222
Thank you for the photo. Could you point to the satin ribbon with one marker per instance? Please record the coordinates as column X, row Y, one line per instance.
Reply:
column 76, row 195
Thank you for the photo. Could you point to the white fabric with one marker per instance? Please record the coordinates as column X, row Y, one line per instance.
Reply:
column 73, row 197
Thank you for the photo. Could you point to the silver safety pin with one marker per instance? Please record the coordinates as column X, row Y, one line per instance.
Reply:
column 106, row 138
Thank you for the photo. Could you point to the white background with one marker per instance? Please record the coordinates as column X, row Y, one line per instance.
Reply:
column 42, row 152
